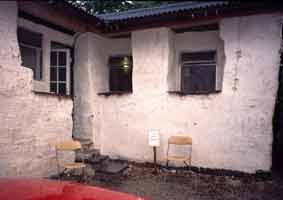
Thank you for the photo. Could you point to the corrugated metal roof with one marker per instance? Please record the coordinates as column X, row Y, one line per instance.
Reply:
column 169, row 8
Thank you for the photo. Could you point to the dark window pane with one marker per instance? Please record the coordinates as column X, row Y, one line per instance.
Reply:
column 198, row 79
column 32, row 58
column 28, row 37
column 30, row 48
column 120, row 73
column 53, row 59
column 62, row 88
column 53, row 87
column 198, row 72
column 119, row 61
column 29, row 57
column 53, row 74
column 120, row 80
column 114, row 80
column 62, row 58
column 62, row 74
column 126, row 80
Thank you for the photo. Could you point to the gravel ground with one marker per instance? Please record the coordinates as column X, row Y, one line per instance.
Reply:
column 188, row 185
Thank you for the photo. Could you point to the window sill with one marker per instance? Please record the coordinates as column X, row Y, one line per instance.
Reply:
column 114, row 93
column 180, row 93
column 60, row 96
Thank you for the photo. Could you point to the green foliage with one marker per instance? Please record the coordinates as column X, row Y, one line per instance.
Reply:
column 107, row 6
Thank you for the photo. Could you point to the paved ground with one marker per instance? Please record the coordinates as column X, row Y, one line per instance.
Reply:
column 186, row 185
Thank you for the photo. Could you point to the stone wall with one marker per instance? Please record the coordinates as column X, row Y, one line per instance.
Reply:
column 230, row 130
column 28, row 121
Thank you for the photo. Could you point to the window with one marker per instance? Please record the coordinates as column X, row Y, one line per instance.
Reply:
column 31, row 51
column 120, row 79
column 60, row 71
column 198, row 72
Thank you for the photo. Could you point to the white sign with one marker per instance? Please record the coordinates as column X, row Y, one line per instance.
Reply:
column 153, row 138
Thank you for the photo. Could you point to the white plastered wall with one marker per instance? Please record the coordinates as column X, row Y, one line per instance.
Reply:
column 29, row 123
column 92, row 53
column 230, row 130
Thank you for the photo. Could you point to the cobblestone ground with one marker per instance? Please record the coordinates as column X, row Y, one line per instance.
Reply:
column 186, row 185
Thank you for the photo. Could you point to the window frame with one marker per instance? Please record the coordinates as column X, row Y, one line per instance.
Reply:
column 67, row 82
column 181, row 66
column 120, row 67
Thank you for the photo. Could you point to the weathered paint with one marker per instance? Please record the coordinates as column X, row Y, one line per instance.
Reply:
column 28, row 122
column 230, row 130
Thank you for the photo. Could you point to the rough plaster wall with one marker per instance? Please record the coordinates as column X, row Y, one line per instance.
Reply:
column 82, row 89
column 230, row 130
column 90, row 60
column 92, row 53
column 119, row 46
column 126, row 119
column 27, row 121
column 113, row 47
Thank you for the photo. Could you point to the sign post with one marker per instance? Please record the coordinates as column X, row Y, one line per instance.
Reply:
column 154, row 141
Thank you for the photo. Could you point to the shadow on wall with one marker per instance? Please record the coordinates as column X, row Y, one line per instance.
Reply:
column 277, row 146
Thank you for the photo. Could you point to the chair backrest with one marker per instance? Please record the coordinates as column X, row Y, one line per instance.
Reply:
column 69, row 145
column 180, row 140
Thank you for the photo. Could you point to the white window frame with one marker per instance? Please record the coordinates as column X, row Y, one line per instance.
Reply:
column 68, row 62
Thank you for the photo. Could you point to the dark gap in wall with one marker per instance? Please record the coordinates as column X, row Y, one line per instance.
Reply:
column 207, row 27
column 126, row 35
column 277, row 146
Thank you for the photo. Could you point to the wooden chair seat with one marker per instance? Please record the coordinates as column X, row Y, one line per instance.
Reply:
column 178, row 158
column 74, row 165
column 69, row 145
column 179, row 141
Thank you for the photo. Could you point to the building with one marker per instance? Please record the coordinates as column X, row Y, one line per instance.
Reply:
column 208, row 70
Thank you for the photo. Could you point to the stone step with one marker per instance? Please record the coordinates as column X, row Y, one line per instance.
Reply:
column 111, row 167
column 98, row 159
column 86, row 154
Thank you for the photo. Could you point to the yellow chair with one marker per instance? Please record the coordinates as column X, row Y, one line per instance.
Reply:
column 179, row 141
column 70, row 145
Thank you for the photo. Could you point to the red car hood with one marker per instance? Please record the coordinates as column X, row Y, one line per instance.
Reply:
column 43, row 189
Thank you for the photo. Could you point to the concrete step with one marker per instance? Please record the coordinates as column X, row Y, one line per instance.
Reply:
column 98, row 159
column 86, row 154
column 111, row 167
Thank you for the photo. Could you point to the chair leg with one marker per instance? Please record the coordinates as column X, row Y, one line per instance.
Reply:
column 82, row 178
column 62, row 173
column 58, row 166
column 167, row 163
column 186, row 164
